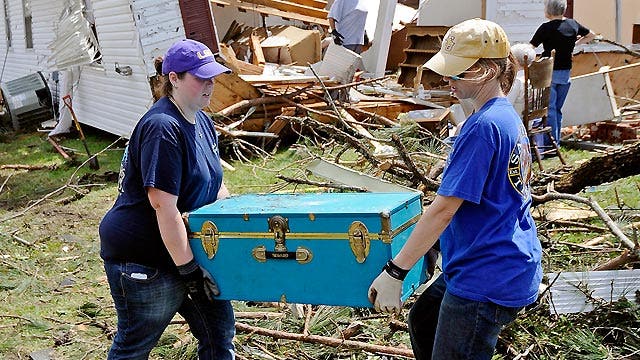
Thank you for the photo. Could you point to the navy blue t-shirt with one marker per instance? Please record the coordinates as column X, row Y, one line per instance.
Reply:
column 560, row 35
column 168, row 153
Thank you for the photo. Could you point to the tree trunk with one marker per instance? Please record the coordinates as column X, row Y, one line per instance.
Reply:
column 619, row 164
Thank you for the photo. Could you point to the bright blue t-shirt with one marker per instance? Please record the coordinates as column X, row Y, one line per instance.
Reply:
column 490, row 250
column 168, row 153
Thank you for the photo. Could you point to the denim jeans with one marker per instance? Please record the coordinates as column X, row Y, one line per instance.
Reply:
column 444, row 326
column 146, row 300
column 559, row 89
column 356, row 48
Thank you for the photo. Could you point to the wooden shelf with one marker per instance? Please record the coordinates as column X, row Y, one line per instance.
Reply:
column 424, row 42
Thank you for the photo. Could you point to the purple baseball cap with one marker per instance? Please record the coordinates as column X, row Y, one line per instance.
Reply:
column 194, row 57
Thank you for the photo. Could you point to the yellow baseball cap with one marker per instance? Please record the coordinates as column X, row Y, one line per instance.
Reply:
column 467, row 42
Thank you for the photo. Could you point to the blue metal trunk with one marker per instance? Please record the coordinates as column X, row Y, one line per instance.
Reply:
column 322, row 248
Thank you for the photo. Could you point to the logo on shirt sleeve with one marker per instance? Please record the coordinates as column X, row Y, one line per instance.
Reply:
column 123, row 165
column 520, row 166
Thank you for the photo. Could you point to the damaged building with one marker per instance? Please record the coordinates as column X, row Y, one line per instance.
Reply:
column 101, row 53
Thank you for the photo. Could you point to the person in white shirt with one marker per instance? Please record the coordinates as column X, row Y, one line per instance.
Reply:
column 516, row 94
column 347, row 19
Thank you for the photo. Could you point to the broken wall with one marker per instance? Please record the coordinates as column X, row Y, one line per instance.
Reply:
column 519, row 18
column 614, row 23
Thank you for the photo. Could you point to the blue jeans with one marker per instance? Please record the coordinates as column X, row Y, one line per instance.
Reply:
column 444, row 326
column 356, row 48
column 146, row 300
column 559, row 89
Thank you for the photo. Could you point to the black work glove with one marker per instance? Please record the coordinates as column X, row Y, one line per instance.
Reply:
column 337, row 37
column 198, row 280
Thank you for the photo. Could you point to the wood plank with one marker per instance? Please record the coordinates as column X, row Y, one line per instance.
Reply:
column 318, row 4
column 236, row 65
column 228, row 90
column 257, row 56
column 291, row 7
column 279, row 79
column 266, row 11
column 388, row 110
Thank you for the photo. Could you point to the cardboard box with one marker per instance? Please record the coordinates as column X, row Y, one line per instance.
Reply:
column 292, row 45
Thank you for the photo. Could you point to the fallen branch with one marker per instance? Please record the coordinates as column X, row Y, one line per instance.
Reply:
column 58, row 148
column 402, row 152
column 356, row 143
column 258, row 315
column 322, row 184
column 27, row 167
column 60, row 189
column 626, row 49
column 259, row 101
column 324, row 340
column 328, row 98
column 618, row 164
column 21, row 240
column 578, row 224
column 598, row 209
column 616, row 263
column 356, row 83
column 313, row 111
column 381, row 119
column 600, row 239
column 5, row 182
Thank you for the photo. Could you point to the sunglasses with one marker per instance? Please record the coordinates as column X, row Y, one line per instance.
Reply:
column 456, row 77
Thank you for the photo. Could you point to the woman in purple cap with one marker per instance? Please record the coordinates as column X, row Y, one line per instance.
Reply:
column 170, row 166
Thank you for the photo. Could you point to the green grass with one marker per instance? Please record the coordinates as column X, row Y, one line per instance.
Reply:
column 54, row 295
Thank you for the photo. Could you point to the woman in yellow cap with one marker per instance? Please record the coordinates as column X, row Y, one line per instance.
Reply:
column 490, row 250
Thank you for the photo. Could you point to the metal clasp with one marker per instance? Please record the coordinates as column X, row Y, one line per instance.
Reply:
column 279, row 225
column 210, row 238
column 359, row 241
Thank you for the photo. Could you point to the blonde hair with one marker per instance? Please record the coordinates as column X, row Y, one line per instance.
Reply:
column 504, row 70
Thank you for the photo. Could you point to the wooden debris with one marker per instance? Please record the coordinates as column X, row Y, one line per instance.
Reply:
column 618, row 164
column 27, row 167
column 324, row 340
column 598, row 209
column 236, row 65
column 285, row 9
column 58, row 148
column 230, row 89
column 321, row 184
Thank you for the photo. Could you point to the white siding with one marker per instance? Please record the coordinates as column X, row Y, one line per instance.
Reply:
column 18, row 60
column 159, row 25
column 519, row 18
column 105, row 99
column 111, row 104
column 570, row 289
column 45, row 17
column 439, row 12
column 102, row 98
